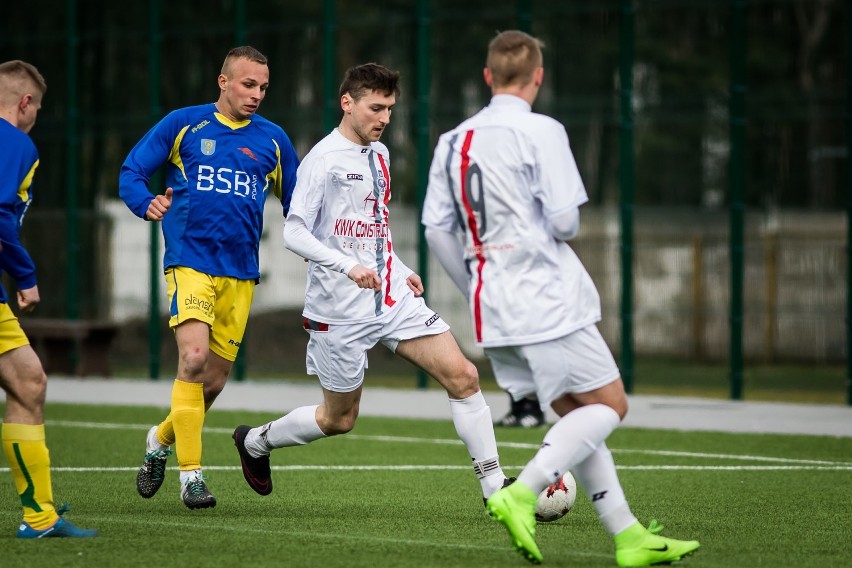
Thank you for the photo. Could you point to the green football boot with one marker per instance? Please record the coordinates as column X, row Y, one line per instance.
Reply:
column 638, row 546
column 514, row 507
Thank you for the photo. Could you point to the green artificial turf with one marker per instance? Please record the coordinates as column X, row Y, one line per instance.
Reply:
column 399, row 492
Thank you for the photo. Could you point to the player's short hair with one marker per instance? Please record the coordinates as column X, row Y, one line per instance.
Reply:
column 369, row 77
column 242, row 52
column 18, row 78
column 513, row 56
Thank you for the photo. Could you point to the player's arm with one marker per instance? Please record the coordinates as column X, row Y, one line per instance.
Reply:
column 299, row 239
column 450, row 254
column 440, row 218
column 149, row 154
column 564, row 225
column 559, row 186
column 15, row 260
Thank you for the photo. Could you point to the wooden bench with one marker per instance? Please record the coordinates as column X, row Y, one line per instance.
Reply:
column 55, row 341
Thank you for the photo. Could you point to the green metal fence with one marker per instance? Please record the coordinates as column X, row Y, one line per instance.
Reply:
column 701, row 105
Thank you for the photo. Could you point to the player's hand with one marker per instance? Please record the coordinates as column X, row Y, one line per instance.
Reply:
column 365, row 278
column 28, row 299
column 159, row 205
column 416, row 284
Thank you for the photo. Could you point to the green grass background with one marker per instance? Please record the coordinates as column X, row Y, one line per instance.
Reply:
column 790, row 512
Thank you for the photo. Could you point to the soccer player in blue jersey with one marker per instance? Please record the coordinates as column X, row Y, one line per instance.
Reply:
column 222, row 159
column 21, row 375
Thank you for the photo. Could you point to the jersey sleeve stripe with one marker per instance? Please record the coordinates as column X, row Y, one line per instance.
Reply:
column 174, row 155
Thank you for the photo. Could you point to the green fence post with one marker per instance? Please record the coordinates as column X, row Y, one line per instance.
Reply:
column 849, row 202
column 524, row 15
column 72, row 174
column 626, row 183
column 154, row 45
column 736, row 167
column 331, row 108
column 72, row 139
column 424, row 145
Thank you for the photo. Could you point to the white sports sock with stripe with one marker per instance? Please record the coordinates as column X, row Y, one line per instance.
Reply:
column 472, row 419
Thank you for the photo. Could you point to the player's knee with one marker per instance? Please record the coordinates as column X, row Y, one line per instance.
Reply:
column 465, row 383
column 29, row 390
column 339, row 425
column 193, row 361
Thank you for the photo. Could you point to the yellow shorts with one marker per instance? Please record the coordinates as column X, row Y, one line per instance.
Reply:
column 221, row 302
column 11, row 334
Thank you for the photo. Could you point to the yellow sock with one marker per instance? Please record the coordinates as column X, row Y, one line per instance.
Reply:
column 29, row 460
column 187, row 420
column 166, row 428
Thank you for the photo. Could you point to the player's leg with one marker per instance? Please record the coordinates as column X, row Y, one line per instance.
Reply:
column 578, row 377
column 337, row 355
column 187, row 411
column 515, row 510
column 524, row 412
column 440, row 356
column 597, row 475
column 558, row 366
column 192, row 302
column 23, row 436
column 162, row 436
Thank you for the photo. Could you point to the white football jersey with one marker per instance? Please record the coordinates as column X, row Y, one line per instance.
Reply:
column 497, row 178
column 342, row 192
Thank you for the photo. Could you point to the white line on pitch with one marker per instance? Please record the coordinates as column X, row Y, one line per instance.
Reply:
column 440, row 441
column 466, row 467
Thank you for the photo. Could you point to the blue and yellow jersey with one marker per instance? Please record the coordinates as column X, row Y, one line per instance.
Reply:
column 18, row 162
column 220, row 172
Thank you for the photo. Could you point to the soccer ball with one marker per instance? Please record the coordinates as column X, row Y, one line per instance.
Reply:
column 556, row 499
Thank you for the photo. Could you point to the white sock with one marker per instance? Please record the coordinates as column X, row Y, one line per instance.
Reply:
column 598, row 478
column 185, row 476
column 152, row 443
column 297, row 428
column 568, row 442
column 472, row 419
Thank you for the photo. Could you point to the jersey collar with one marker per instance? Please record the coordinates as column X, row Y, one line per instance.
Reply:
column 509, row 101
column 232, row 124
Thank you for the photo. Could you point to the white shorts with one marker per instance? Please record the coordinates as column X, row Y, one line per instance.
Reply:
column 578, row 362
column 337, row 353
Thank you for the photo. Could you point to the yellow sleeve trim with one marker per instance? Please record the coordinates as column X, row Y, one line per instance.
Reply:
column 174, row 155
column 24, row 189
column 276, row 175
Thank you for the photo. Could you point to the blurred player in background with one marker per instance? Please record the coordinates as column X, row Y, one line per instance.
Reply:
column 21, row 374
column 222, row 159
column 524, row 411
column 359, row 292
column 506, row 181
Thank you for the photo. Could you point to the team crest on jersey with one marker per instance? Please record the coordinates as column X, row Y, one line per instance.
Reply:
column 382, row 183
column 208, row 146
